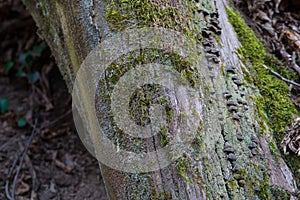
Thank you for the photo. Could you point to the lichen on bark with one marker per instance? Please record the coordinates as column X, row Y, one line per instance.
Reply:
column 274, row 108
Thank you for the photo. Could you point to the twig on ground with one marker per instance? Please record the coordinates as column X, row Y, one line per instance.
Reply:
column 4, row 146
column 20, row 158
column 52, row 123
column 31, row 171
column 7, row 193
column 281, row 77
column 33, row 133
column 48, row 103
column 56, row 120
column 294, row 64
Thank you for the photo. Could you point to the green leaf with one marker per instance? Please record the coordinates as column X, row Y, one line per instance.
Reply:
column 33, row 77
column 38, row 49
column 26, row 59
column 3, row 105
column 9, row 66
column 22, row 122
column 21, row 74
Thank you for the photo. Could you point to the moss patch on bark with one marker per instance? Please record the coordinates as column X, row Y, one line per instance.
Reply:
column 274, row 107
column 123, row 14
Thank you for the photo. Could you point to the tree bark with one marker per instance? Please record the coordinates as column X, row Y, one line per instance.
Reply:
column 231, row 157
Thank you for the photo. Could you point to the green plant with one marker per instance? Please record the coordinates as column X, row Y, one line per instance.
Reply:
column 39, row 49
column 9, row 66
column 4, row 103
column 27, row 60
column 22, row 122
column 33, row 77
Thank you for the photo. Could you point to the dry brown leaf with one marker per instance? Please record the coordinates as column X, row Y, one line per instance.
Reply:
column 291, row 140
column 22, row 188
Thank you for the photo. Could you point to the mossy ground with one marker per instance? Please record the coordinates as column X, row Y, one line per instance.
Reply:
column 273, row 106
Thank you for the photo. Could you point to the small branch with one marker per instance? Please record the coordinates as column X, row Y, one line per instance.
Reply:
column 7, row 193
column 281, row 77
column 294, row 63
column 31, row 170
column 4, row 146
column 24, row 153
column 58, row 119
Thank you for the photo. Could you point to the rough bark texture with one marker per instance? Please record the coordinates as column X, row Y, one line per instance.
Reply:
column 231, row 157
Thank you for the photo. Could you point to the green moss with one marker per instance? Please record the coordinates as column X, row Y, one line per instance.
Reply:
column 264, row 191
column 243, row 173
column 142, row 99
column 278, row 193
column 161, row 196
column 273, row 106
column 274, row 150
column 232, row 186
column 272, row 61
column 179, row 16
column 275, row 101
column 165, row 139
column 264, row 188
column 182, row 166
column 129, row 13
column 223, row 68
column 247, row 75
column 294, row 162
column 114, row 16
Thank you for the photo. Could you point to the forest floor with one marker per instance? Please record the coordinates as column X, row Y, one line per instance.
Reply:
column 55, row 165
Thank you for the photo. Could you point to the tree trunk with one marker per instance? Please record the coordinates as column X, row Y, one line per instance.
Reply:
column 233, row 154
